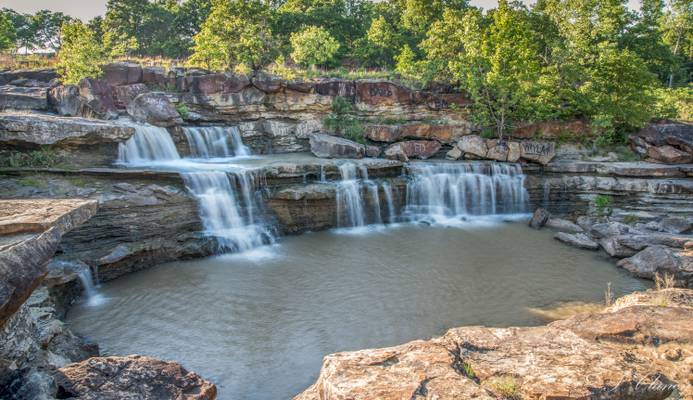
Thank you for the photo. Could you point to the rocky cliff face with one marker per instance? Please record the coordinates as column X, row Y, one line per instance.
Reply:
column 639, row 348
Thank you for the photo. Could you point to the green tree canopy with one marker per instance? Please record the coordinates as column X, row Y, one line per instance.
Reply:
column 313, row 46
column 8, row 36
column 80, row 55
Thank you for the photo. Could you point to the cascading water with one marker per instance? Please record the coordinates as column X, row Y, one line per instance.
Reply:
column 215, row 142
column 447, row 192
column 235, row 227
column 391, row 212
column 149, row 143
column 349, row 199
column 87, row 280
column 228, row 215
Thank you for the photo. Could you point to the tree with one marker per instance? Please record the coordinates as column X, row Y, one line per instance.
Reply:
column 25, row 30
column 80, row 55
column 499, row 66
column 8, row 36
column 418, row 15
column 677, row 27
column 47, row 26
column 313, row 46
column 236, row 34
column 380, row 45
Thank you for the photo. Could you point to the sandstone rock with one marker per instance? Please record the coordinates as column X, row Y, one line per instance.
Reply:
column 299, row 85
column 218, row 83
column 23, row 98
column 132, row 377
column 421, row 149
column 383, row 133
column 381, row 93
column 539, row 362
column 42, row 129
column 539, row 218
column 122, row 73
column 98, row 99
column 497, row 150
column 454, row 154
column 679, row 134
column 608, row 229
column 668, row 155
column 662, row 260
column 540, row 152
column 579, row 240
column 670, row 224
column 440, row 132
column 563, row 225
column 154, row 76
column 326, row 146
column 628, row 244
column 514, row 152
column 266, row 82
column 66, row 100
column 42, row 75
column 373, row 151
column 474, row 145
column 23, row 257
column 155, row 109
column 336, row 87
column 125, row 94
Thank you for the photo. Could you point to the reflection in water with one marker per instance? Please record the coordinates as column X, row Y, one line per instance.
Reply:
column 258, row 324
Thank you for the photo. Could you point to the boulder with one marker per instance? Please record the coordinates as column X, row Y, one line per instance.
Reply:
column 155, row 109
column 537, row 151
column 373, row 151
column 326, row 146
column 608, row 229
column 266, row 82
column 421, row 149
column 217, row 83
column 98, row 99
column 66, row 100
column 23, row 98
column 34, row 130
column 383, row 133
column 125, row 94
column 497, row 150
column 132, row 377
column 564, row 225
column 122, row 73
column 299, row 85
column 628, row 244
column 662, row 260
column 396, row 152
column 514, row 152
column 473, row 145
column 579, row 240
column 675, row 225
column 440, row 132
column 668, row 155
column 154, row 76
column 454, row 154
column 539, row 218
column 381, row 93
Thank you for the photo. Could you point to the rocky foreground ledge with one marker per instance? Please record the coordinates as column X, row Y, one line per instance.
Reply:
column 639, row 348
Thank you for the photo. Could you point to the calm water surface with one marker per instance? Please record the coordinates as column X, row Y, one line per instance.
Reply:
column 259, row 324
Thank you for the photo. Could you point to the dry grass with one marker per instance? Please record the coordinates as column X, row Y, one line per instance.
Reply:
column 30, row 61
column 664, row 281
column 565, row 310
column 608, row 296
column 506, row 387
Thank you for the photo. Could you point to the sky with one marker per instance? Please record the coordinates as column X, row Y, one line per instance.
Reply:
column 87, row 9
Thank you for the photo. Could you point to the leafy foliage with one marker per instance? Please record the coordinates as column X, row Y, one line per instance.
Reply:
column 313, row 46
column 8, row 36
column 80, row 55
column 342, row 121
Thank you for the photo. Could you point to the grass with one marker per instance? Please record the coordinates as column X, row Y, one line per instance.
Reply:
column 182, row 110
column 506, row 387
column 608, row 296
column 43, row 158
column 31, row 182
column 468, row 371
column 664, row 281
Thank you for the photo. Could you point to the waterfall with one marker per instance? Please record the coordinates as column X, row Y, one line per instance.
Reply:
column 149, row 143
column 215, row 142
column 391, row 212
column 450, row 191
column 349, row 197
column 236, row 228
column 87, row 279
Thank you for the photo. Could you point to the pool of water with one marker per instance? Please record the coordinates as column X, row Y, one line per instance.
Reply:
column 259, row 324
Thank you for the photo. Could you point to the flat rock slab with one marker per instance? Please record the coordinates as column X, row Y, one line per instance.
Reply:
column 38, row 215
column 625, row 169
column 31, row 231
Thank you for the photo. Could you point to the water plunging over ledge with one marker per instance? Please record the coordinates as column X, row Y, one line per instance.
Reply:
column 227, row 199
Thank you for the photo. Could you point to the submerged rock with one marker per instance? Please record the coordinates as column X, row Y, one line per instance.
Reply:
column 132, row 377
column 579, row 240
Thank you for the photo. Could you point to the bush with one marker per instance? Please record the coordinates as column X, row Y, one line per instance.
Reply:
column 80, row 55
column 674, row 103
column 343, row 123
column 602, row 204
column 43, row 158
column 313, row 46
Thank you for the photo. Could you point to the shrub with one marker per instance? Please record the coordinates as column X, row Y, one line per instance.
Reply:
column 313, row 46
column 602, row 204
column 80, row 55
column 343, row 123
column 43, row 158
column 182, row 110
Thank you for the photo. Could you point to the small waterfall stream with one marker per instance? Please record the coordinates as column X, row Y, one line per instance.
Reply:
column 226, row 198
column 91, row 293
column 215, row 141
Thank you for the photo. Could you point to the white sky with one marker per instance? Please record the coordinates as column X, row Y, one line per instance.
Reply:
column 87, row 9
